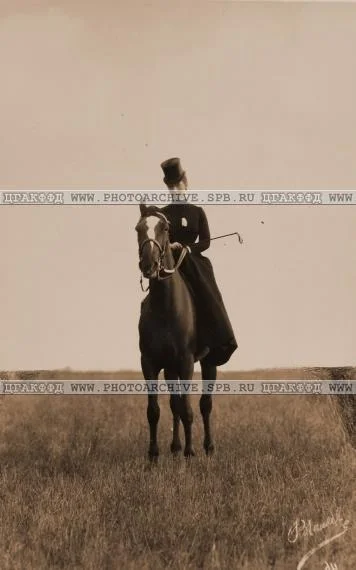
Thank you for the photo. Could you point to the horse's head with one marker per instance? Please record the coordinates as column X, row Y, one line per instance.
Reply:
column 153, row 240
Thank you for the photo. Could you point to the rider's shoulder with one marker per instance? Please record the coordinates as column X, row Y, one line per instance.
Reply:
column 187, row 207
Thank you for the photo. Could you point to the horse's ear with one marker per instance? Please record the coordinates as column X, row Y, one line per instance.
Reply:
column 143, row 209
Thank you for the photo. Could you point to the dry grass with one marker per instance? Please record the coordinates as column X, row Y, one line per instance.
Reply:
column 77, row 491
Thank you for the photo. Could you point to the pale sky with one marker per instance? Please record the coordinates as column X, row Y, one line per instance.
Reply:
column 250, row 96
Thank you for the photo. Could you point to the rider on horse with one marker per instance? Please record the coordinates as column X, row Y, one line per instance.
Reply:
column 188, row 222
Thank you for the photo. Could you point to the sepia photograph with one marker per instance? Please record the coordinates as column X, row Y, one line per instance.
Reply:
column 178, row 340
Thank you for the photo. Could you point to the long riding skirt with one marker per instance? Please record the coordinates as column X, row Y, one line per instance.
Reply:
column 213, row 324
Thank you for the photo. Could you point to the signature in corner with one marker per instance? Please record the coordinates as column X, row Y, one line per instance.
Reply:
column 303, row 528
column 330, row 566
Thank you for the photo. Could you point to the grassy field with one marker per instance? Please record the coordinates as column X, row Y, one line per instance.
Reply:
column 77, row 491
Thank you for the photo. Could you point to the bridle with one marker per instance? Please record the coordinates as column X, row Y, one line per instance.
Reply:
column 161, row 267
column 167, row 273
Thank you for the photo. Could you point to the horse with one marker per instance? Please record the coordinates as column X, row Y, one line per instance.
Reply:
column 168, row 332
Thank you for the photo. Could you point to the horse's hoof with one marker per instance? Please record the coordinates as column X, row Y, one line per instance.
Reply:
column 176, row 447
column 209, row 448
column 189, row 452
column 153, row 458
column 153, row 453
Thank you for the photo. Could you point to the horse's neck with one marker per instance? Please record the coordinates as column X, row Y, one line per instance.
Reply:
column 164, row 294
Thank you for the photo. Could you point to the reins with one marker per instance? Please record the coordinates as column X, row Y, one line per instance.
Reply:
column 161, row 266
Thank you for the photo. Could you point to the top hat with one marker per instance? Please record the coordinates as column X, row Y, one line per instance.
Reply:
column 173, row 171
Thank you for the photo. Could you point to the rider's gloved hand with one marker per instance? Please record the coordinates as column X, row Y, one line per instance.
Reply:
column 176, row 246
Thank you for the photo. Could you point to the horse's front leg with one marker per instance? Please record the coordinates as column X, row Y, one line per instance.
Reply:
column 208, row 372
column 153, row 412
column 174, row 401
column 186, row 411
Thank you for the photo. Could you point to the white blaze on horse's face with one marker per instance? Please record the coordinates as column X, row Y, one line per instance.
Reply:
column 152, row 239
column 152, row 223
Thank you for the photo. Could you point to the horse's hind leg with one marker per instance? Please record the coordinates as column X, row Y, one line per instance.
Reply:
column 208, row 372
column 153, row 411
column 176, row 445
column 186, row 412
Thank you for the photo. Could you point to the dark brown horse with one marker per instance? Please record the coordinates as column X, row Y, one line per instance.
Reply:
column 167, row 330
